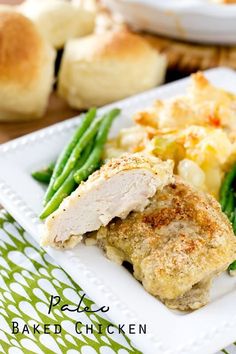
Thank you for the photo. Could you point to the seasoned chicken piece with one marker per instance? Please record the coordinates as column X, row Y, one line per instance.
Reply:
column 176, row 245
column 122, row 185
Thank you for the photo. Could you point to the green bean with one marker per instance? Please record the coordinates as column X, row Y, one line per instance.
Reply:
column 65, row 154
column 229, row 207
column 67, row 187
column 234, row 221
column 88, row 135
column 232, row 218
column 93, row 161
column 226, row 186
column 65, row 190
column 51, row 166
column 227, row 201
column 232, row 266
column 43, row 175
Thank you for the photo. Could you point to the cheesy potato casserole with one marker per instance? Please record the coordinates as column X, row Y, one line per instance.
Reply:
column 196, row 130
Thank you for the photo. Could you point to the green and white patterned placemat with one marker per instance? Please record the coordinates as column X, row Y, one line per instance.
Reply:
column 28, row 277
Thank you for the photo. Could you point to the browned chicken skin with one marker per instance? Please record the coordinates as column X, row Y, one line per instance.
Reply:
column 176, row 246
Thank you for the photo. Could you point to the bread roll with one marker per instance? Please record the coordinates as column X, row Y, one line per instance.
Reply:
column 26, row 69
column 7, row 8
column 106, row 67
column 57, row 20
column 91, row 5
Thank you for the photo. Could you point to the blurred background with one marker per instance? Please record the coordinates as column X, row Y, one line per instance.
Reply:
column 100, row 52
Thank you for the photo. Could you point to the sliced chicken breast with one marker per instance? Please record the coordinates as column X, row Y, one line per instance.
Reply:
column 177, row 245
column 122, row 185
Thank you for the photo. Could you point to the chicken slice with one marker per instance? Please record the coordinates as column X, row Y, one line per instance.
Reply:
column 176, row 245
column 122, row 185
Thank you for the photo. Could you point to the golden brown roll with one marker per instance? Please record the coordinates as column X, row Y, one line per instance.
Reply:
column 26, row 69
column 7, row 8
column 59, row 21
column 106, row 67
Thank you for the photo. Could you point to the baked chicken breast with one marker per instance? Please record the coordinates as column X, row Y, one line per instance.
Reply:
column 122, row 185
column 177, row 245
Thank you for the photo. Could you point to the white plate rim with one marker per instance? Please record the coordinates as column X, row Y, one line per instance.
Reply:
column 190, row 6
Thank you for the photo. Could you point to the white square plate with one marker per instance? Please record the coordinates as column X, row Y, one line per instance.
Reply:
column 204, row 331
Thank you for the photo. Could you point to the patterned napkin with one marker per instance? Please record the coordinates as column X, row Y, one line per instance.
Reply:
column 28, row 277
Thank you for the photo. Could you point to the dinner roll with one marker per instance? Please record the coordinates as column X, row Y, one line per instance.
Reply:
column 59, row 20
column 7, row 8
column 91, row 5
column 106, row 67
column 26, row 68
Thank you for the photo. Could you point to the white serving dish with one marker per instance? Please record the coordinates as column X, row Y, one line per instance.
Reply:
column 190, row 20
column 201, row 332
